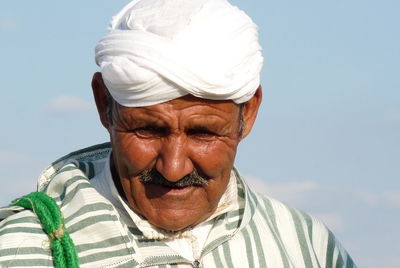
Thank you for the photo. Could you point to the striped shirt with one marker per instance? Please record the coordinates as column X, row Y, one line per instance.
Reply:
column 260, row 232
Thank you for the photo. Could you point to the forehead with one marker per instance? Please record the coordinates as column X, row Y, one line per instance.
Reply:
column 184, row 107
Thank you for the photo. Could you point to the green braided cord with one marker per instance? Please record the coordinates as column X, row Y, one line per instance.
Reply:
column 71, row 255
column 65, row 243
column 46, row 209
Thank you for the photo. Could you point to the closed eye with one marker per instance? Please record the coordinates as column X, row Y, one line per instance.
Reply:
column 201, row 132
column 151, row 131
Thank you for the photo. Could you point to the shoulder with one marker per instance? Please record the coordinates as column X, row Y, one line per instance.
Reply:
column 63, row 180
column 89, row 161
column 302, row 236
column 21, row 234
column 89, row 217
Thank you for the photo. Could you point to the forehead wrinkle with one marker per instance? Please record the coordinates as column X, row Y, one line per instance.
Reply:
column 143, row 115
column 175, row 112
column 207, row 120
column 203, row 114
column 218, row 106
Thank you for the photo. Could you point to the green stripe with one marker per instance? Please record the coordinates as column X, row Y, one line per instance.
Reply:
column 217, row 259
column 82, row 166
column 67, row 184
column 214, row 244
column 232, row 226
column 329, row 250
column 249, row 248
column 101, row 244
column 91, row 170
column 158, row 260
column 252, row 202
column 23, row 251
column 227, row 254
column 234, row 219
column 27, row 263
column 309, row 224
column 301, row 237
column 240, row 188
column 128, row 264
column 66, row 169
column 74, row 179
column 259, row 247
column 104, row 255
column 234, row 213
column 71, row 194
column 145, row 242
column 89, row 208
column 219, row 223
column 28, row 219
column 270, row 219
column 349, row 262
column 90, row 221
column 135, row 231
column 339, row 261
column 22, row 230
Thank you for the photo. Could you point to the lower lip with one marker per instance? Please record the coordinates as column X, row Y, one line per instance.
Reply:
column 180, row 190
column 164, row 190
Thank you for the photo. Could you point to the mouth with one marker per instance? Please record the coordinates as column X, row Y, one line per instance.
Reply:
column 157, row 190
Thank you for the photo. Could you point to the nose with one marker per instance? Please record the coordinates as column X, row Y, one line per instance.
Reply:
column 173, row 161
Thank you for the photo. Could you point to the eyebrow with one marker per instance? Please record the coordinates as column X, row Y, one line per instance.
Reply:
column 143, row 120
column 208, row 126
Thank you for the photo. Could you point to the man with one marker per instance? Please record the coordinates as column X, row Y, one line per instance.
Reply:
column 178, row 90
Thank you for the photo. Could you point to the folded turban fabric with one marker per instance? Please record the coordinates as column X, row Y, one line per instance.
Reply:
column 159, row 50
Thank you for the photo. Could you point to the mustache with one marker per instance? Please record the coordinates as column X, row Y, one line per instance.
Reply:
column 152, row 176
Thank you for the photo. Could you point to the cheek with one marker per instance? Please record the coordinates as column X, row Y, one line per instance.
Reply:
column 217, row 162
column 134, row 154
column 214, row 158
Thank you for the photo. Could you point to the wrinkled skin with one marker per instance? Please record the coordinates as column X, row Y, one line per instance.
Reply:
column 175, row 138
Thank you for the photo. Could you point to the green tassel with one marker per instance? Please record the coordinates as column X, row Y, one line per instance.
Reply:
column 46, row 209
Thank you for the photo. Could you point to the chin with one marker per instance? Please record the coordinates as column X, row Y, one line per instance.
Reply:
column 176, row 222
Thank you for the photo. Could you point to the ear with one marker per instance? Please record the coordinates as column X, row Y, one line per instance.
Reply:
column 250, row 111
column 100, row 94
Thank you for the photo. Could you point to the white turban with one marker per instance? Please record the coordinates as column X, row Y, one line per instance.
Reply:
column 159, row 50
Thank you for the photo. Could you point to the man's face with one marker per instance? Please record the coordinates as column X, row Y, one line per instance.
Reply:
column 175, row 138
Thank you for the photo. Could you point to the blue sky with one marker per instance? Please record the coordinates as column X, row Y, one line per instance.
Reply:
column 327, row 136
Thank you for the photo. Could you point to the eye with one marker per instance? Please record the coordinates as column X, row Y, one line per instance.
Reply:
column 151, row 132
column 201, row 132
